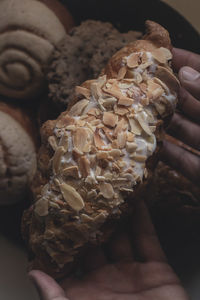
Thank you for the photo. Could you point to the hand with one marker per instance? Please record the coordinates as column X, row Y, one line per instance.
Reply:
column 139, row 269
column 185, row 124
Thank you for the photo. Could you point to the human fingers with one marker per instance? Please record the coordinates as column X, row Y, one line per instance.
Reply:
column 190, row 80
column 119, row 248
column 185, row 130
column 145, row 238
column 185, row 58
column 182, row 160
column 189, row 105
column 47, row 287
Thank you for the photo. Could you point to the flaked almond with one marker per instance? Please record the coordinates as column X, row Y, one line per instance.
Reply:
column 109, row 133
column 131, row 147
column 64, row 141
column 160, row 107
column 121, row 163
column 106, row 190
column 121, row 126
column 41, row 207
column 100, row 218
column 84, row 166
column 101, row 80
column 65, row 120
column 115, row 144
column 125, row 101
column 78, row 108
column 80, row 123
column 70, row 127
column 116, row 153
column 57, row 159
column 52, row 142
column 87, row 148
column 72, row 197
column 95, row 90
column 120, row 110
column 159, row 55
column 143, row 123
column 92, row 194
column 80, row 137
column 98, row 171
column 138, row 157
column 108, row 175
column 122, row 72
column 71, row 171
column 110, row 119
column 102, row 155
column 109, row 102
column 121, row 139
column 168, row 78
column 132, row 60
column 86, row 218
column 144, row 57
column 135, row 126
column 98, row 140
column 80, row 90
column 114, row 91
column 154, row 90
column 130, row 137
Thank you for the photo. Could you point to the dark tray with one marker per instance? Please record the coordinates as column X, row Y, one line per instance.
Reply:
column 131, row 14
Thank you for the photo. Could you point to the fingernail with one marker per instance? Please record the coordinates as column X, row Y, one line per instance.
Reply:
column 189, row 74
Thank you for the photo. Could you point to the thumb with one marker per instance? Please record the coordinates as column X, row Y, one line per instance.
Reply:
column 190, row 79
column 47, row 287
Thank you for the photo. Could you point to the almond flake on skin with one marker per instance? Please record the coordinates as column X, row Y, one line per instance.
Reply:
column 106, row 190
column 132, row 60
column 72, row 197
column 122, row 72
column 57, row 159
column 79, row 90
column 78, row 108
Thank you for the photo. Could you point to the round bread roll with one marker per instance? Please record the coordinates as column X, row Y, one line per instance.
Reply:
column 29, row 33
column 17, row 154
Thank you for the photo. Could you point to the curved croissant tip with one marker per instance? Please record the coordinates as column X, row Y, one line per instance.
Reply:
column 157, row 34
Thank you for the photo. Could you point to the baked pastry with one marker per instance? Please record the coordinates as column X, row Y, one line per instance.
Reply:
column 17, row 154
column 82, row 54
column 96, row 155
column 29, row 33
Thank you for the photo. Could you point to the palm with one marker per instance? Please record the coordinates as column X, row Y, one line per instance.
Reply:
column 132, row 266
column 128, row 280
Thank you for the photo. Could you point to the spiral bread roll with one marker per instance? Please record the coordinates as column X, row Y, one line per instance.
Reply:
column 98, row 152
column 29, row 33
column 17, row 154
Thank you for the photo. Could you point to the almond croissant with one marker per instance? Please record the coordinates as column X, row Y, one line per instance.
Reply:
column 99, row 151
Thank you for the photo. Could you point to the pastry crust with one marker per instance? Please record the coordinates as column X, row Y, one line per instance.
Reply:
column 96, row 155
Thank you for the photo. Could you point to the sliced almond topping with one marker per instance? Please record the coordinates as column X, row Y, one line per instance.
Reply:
column 121, row 139
column 120, row 110
column 114, row 144
column 143, row 123
column 72, row 197
column 98, row 171
column 65, row 120
column 154, row 90
column 168, row 78
column 41, row 207
column 138, row 157
column 159, row 55
column 102, row 155
column 101, row 80
column 107, row 190
column 114, row 91
column 110, row 119
column 122, row 125
column 130, row 136
column 79, row 90
column 132, row 60
column 131, row 147
column 84, row 166
column 86, row 218
column 121, row 163
column 95, row 90
column 116, row 153
column 80, row 137
column 71, row 128
column 135, row 126
column 109, row 133
column 87, row 148
column 52, row 142
column 92, row 194
column 167, row 53
column 109, row 102
column 92, row 111
column 144, row 57
column 71, row 171
column 122, row 72
column 64, row 141
column 78, row 108
column 80, row 123
column 98, row 140
column 100, row 218
column 125, row 101
column 57, row 159
column 108, row 176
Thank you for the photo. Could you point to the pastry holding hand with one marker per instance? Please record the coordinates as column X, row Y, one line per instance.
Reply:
column 185, row 124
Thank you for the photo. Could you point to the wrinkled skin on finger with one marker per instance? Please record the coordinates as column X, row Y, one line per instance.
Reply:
column 132, row 266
